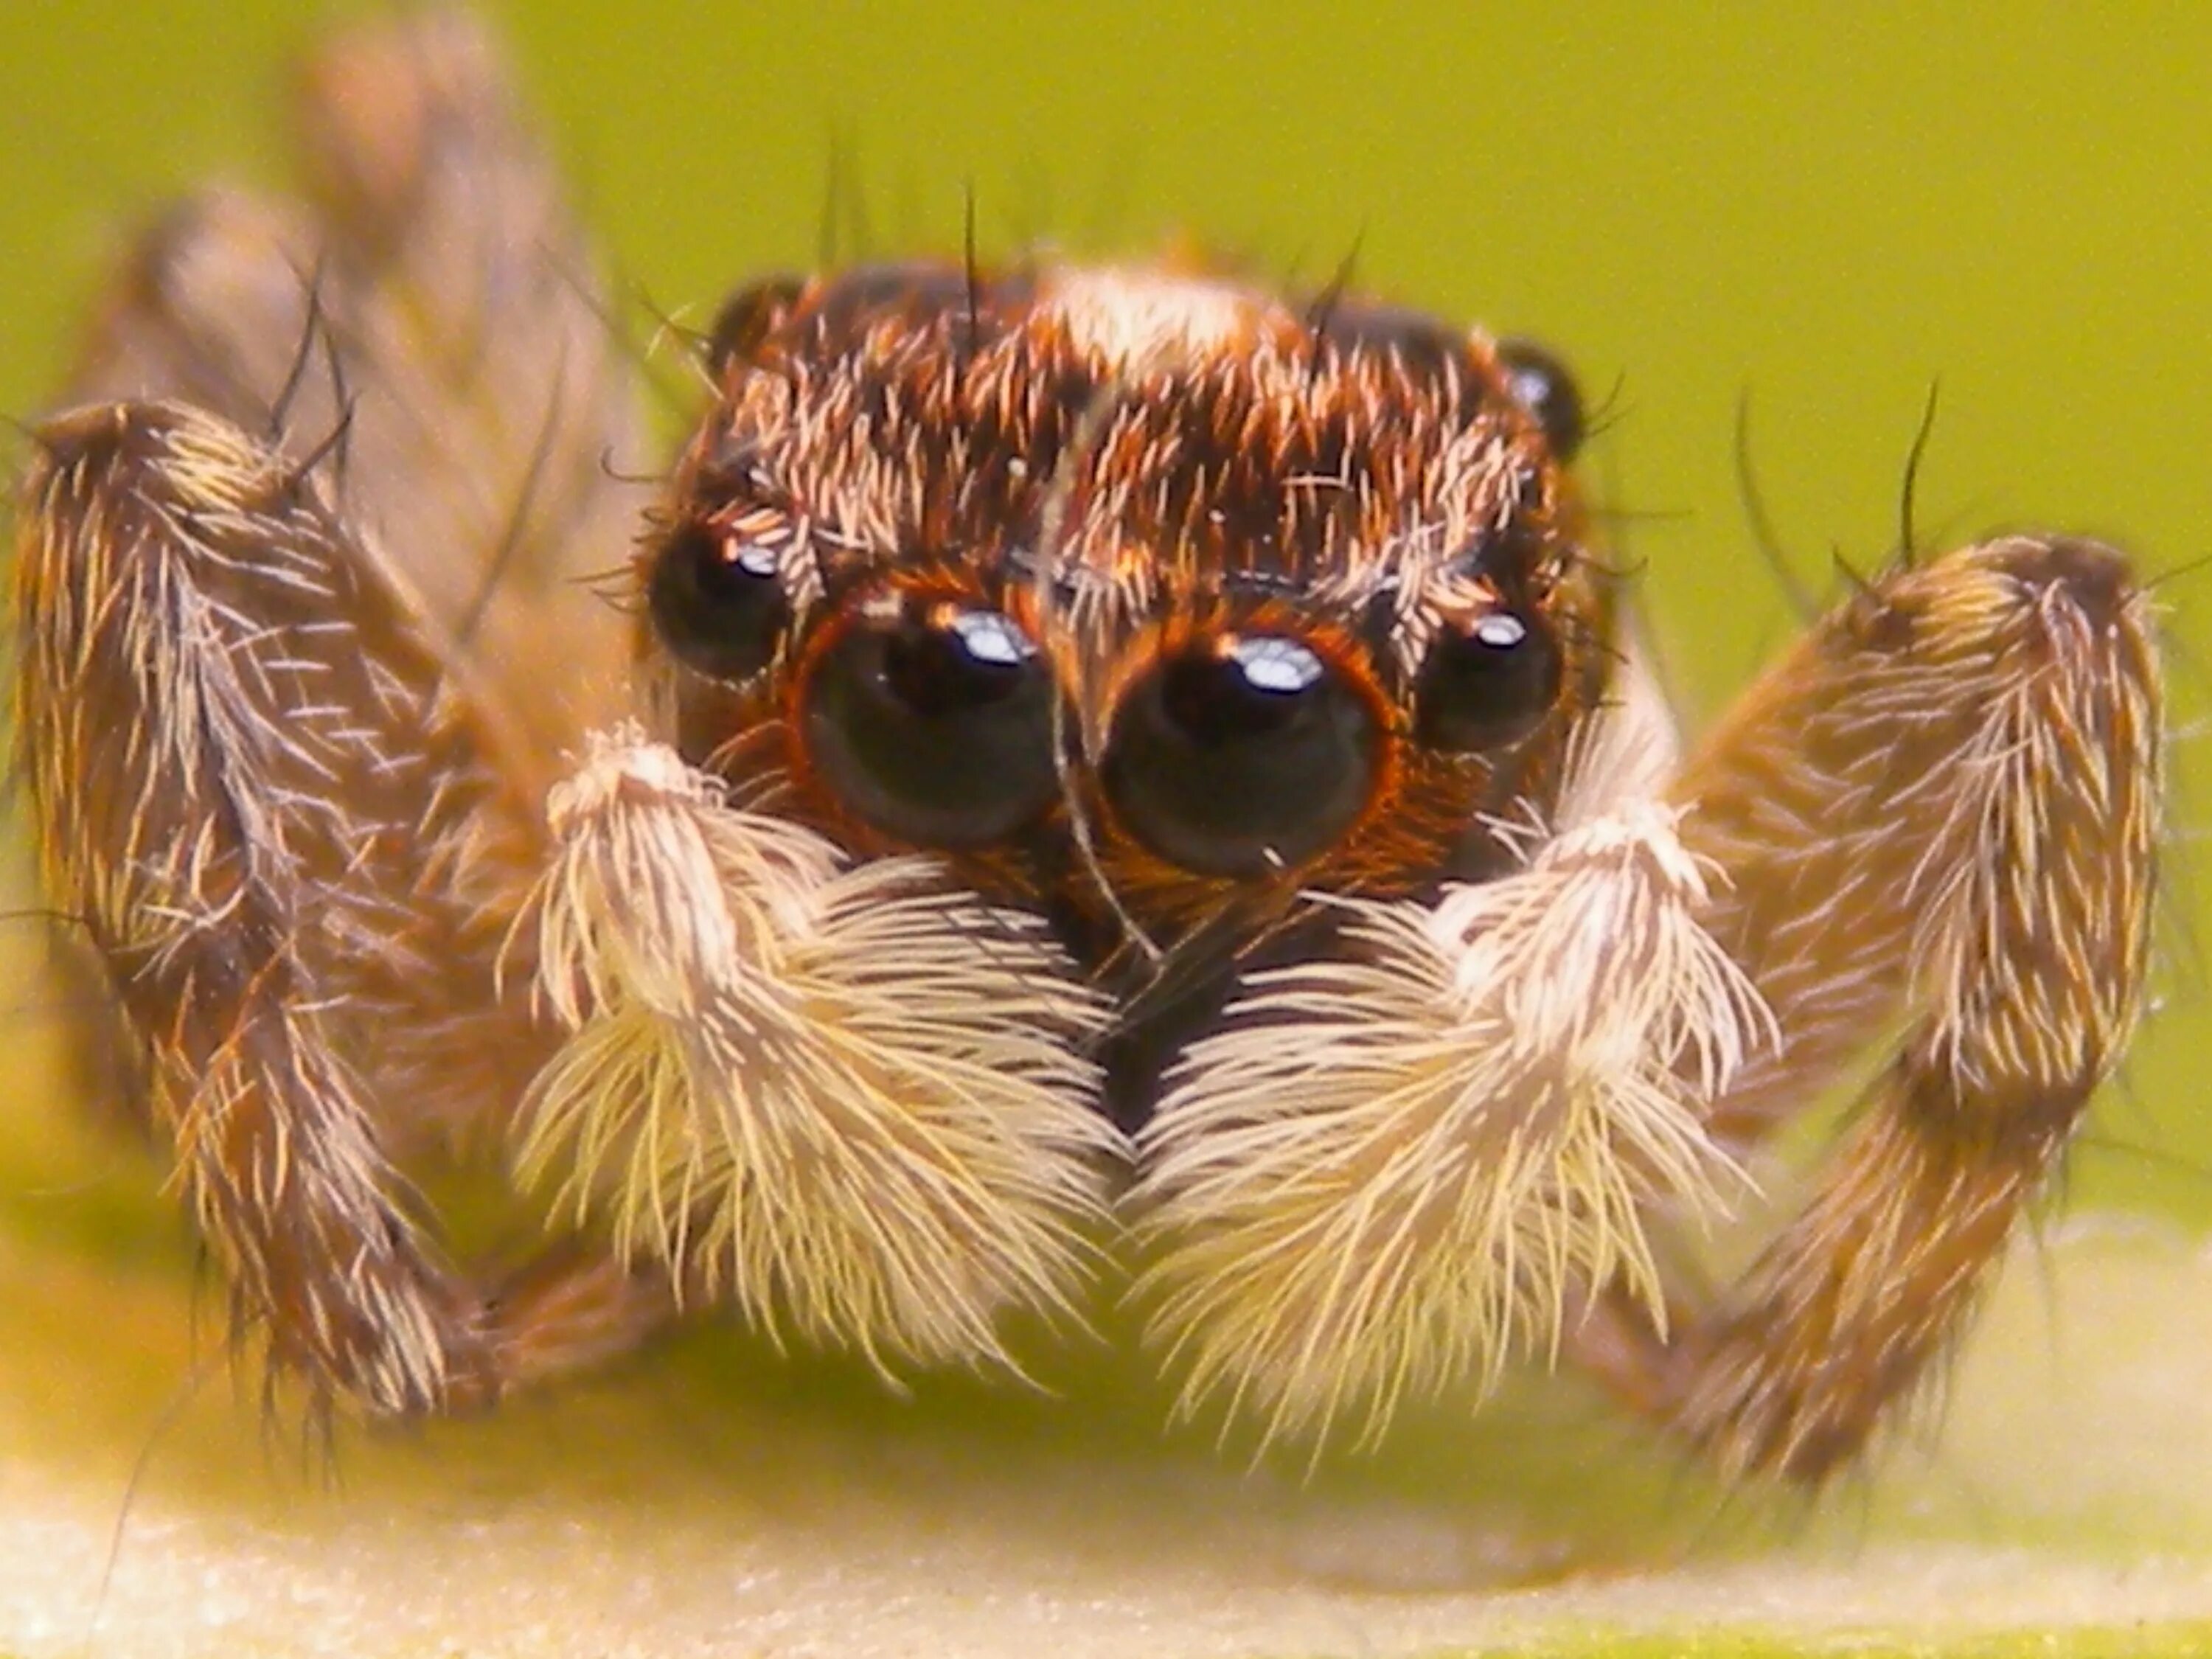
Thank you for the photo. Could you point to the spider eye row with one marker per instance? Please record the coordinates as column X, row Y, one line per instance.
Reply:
column 1231, row 753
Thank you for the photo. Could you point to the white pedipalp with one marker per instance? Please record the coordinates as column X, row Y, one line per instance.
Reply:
column 1394, row 1172
column 855, row 1103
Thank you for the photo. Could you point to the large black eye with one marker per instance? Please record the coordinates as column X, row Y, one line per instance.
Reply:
column 717, row 602
column 935, row 724
column 1545, row 389
column 1245, row 757
column 1487, row 687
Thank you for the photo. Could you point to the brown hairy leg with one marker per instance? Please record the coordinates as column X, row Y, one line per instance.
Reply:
column 1939, row 815
column 225, row 727
column 285, row 580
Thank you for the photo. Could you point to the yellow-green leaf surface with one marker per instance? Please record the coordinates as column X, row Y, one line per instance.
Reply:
column 1828, row 208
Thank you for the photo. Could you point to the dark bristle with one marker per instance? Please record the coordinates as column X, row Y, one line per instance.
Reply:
column 1753, row 500
column 1908, row 545
column 972, row 335
column 1321, row 315
column 296, row 373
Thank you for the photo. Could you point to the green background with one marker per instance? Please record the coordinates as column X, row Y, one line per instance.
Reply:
column 1827, row 209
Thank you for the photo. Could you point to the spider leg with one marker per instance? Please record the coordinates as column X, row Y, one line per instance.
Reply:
column 284, row 848
column 289, row 580
column 1937, row 816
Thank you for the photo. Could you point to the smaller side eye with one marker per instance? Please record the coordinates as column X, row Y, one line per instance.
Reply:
column 717, row 602
column 1540, row 382
column 1486, row 688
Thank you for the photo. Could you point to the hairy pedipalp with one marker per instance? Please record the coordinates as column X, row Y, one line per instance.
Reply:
column 856, row 1104
column 1391, row 1172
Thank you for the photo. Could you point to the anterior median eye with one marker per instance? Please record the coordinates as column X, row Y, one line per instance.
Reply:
column 1247, row 754
column 717, row 601
column 1487, row 686
column 935, row 723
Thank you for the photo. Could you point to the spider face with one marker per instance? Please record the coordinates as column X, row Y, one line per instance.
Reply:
column 1260, row 601
column 1156, row 602
column 1133, row 786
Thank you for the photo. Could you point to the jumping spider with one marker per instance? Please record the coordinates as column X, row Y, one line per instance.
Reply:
column 1111, row 777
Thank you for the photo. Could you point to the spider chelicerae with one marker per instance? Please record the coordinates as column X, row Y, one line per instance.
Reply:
column 1101, row 782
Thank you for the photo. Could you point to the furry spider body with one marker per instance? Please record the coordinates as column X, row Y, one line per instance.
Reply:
column 1114, row 776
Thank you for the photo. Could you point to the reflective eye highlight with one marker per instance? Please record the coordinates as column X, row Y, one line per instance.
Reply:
column 933, row 723
column 1487, row 687
column 1249, row 754
column 717, row 602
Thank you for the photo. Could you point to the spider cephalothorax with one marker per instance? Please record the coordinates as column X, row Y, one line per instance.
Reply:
column 1116, row 783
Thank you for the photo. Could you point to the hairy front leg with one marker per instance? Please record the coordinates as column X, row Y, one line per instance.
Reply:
column 279, row 837
column 289, row 583
column 1938, row 815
